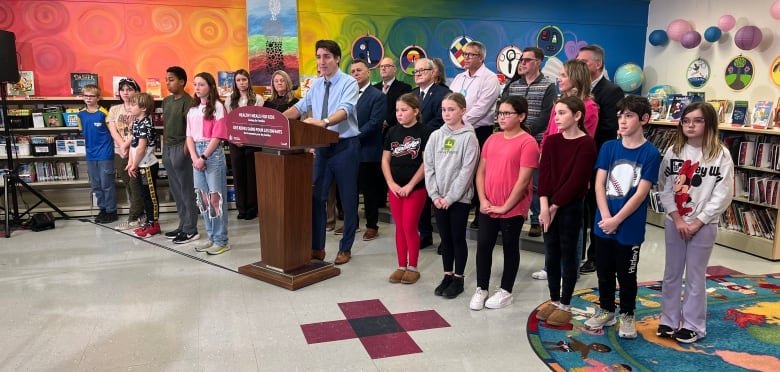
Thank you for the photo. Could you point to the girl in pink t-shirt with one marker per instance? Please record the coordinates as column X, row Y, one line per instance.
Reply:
column 504, row 188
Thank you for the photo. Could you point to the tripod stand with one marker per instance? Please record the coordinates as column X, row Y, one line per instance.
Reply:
column 11, row 178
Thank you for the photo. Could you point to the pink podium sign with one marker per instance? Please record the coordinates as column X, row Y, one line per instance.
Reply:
column 259, row 127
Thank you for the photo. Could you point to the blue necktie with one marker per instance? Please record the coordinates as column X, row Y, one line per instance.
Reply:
column 325, row 100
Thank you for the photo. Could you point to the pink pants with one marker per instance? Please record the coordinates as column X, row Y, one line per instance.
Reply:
column 406, row 213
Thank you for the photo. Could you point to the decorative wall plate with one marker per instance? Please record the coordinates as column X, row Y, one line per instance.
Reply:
column 368, row 48
column 550, row 40
column 456, row 50
column 411, row 54
column 508, row 60
column 698, row 73
column 739, row 73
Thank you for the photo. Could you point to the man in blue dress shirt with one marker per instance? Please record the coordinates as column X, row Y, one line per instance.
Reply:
column 330, row 103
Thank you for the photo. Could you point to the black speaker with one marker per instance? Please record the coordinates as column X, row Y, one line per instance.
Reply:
column 9, row 69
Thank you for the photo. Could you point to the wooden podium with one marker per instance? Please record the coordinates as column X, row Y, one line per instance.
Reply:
column 284, row 193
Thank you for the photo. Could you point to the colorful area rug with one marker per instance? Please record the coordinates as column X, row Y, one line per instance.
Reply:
column 743, row 332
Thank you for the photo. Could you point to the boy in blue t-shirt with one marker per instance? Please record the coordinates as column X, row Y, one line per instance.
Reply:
column 100, row 154
column 626, row 170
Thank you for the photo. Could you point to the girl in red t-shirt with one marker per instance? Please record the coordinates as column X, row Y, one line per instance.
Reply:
column 504, row 187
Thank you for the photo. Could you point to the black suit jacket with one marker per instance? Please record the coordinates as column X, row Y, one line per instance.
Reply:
column 370, row 114
column 430, row 109
column 397, row 88
column 607, row 95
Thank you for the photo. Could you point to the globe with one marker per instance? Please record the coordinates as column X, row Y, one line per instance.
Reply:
column 629, row 77
column 660, row 90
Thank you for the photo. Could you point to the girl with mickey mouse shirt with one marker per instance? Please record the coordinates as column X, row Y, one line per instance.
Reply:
column 697, row 176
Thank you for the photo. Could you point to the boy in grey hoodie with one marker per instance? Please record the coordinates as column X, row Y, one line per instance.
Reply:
column 450, row 159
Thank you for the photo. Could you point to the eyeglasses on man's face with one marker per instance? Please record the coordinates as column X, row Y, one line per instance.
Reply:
column 527, row 60
column 386, row 66
column 470, row 55
column 419, row 71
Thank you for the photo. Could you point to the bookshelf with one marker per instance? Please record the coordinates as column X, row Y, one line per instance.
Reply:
column 750, row 223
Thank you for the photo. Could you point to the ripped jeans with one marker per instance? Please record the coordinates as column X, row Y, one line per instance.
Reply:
column 211, row 193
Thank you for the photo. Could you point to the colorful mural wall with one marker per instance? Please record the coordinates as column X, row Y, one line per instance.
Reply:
column 273, row 39
column 618, row 26
column 136, row 38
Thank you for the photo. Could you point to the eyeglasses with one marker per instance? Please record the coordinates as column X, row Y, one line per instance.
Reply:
column 386, row 66
column 526, row 60
column 421, row 70
column 470, row 55
column 506, row 114
column 89, row 96
column 695, row 121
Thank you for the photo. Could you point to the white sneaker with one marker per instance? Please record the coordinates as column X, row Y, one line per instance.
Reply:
column 478, row 299
column 540, row 275
column 627, row 326
column 601, row 319
column 500, row 299
column 128, row 225
column 203, row 246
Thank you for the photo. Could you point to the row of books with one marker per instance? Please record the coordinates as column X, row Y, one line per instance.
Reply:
column 661, row 137
column 756, row 188
column 765, row 113
column 749, row 220
column 78, row 80
column 47, row 171
column 754, row 150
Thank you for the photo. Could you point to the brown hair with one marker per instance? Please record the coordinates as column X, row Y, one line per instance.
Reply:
column 712, row 145
column 274, row 94
column 144, row 101
column 211, row 100
column 410, row 99
column 579, row 75
column 235, row 96
column 575, row 104
column 520, row 105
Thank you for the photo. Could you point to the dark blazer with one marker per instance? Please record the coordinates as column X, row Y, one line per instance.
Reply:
column 397, row 88
column 371, row 110
column 430, row 109
column 607, row 95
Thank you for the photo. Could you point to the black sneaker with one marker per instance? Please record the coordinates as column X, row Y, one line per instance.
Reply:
column 183, row 238
column 443, row 285
column 110, row 217
column 686, row 336
column 588, row 267
column 99, row 218
column 664, row 331
column 454, row 289
column 172, row 234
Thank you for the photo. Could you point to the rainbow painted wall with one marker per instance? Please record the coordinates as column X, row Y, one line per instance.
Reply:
column 126, row 38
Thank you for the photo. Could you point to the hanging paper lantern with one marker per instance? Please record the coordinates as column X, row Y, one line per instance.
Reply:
column 774, row 10
column 691, row 39
column 658, row 37
column 712, row 34
column 748, row 37
column 678, row 28
column 726, row 22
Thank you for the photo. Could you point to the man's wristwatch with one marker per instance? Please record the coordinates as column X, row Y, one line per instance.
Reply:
column 326, row 121
column 202, row 156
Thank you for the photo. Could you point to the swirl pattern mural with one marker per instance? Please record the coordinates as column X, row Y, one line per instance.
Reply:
column 128, row 38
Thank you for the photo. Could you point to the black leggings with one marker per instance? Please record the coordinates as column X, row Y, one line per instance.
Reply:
column 486, row 241
column 452, row 230
column 560, row 251
column 617, row 260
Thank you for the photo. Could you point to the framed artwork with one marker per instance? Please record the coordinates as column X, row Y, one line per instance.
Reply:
column 508, row 60
column 739, row 73
column 774, row 71
column 698, row 73
column 550, row 40
column 456, row 50
column 368, row 48
column 409, row 55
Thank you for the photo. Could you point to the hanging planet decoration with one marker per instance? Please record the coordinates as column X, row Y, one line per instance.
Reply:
column 409, row 55
column 739, row 73
column 658, row 38
column 698, row 73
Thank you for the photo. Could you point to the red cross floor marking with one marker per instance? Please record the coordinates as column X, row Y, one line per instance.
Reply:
column 382, row 334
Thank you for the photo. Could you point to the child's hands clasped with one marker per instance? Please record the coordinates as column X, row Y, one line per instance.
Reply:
column 609, row 225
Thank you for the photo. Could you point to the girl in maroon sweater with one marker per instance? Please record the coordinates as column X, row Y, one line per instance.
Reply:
column 564, row 173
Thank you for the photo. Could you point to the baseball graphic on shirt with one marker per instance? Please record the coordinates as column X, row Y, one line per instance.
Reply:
column 621, row 179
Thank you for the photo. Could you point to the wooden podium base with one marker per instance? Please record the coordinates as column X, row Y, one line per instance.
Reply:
column 315, row 271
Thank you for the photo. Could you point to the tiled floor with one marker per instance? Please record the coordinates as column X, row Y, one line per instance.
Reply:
column 83, row 297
